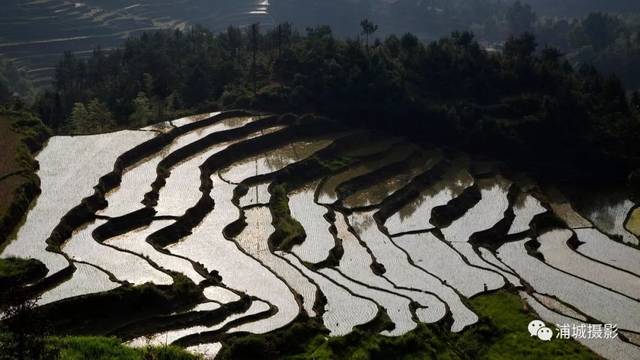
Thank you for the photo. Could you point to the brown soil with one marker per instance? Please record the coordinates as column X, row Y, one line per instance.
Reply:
column 8, row 189
column 8, row 144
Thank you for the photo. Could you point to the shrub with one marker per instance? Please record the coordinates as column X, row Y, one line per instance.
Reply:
column 16, row 271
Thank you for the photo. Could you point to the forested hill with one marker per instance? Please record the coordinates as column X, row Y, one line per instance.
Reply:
column 578, row 8
column 35, row 34
column 524, row 105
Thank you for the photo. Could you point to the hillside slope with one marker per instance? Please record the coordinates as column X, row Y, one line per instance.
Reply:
column 23, row 135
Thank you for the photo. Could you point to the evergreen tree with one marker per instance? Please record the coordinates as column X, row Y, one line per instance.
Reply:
column 142, row 112
column 100, row 117
column 521, row 47
column 80, row 121
column 147, row 80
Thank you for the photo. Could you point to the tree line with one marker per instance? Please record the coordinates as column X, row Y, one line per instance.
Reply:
column 526, row 102
column 608, row 41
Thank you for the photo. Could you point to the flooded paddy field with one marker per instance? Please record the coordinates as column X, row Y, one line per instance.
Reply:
column 438, row 258
column 610, row 217
column 67, row 162
column 484, row 215
column 584, row 295
column 124, row 266
column 525, row 209
column 272, row 223
column 319, row 240
column 417, row 213
column 558, row 254
column 597, row 246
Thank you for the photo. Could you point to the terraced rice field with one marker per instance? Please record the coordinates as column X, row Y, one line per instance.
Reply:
column 273, row 221
column 85, row 25
column 525, row 209
column 412, row 216
column 610, row 218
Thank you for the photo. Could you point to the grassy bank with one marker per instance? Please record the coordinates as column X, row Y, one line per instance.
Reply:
column 76, row 328
column 101, row 348
column 103, row 313
column 289, row 231
column 501, row 333
column 94, row 348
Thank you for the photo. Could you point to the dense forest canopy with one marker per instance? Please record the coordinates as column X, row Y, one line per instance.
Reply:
column 578, row 8
column 525, row 103
column 57, row 25
column 609, row 42
column 430, row 19
column 568, row 80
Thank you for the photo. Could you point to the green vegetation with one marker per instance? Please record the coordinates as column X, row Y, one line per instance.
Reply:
column 26, row 330
column 507, row 312
column 100, row 348
column 94, row 348
column 111, row 310
column 608, row 42
column 288, row 231
column 93, row 118
column 334, row 164
column 501, row 333
column 450, row 91
column 581, row 7
column 15, row 271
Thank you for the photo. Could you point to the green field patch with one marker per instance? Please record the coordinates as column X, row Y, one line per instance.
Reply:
column 102, row 348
